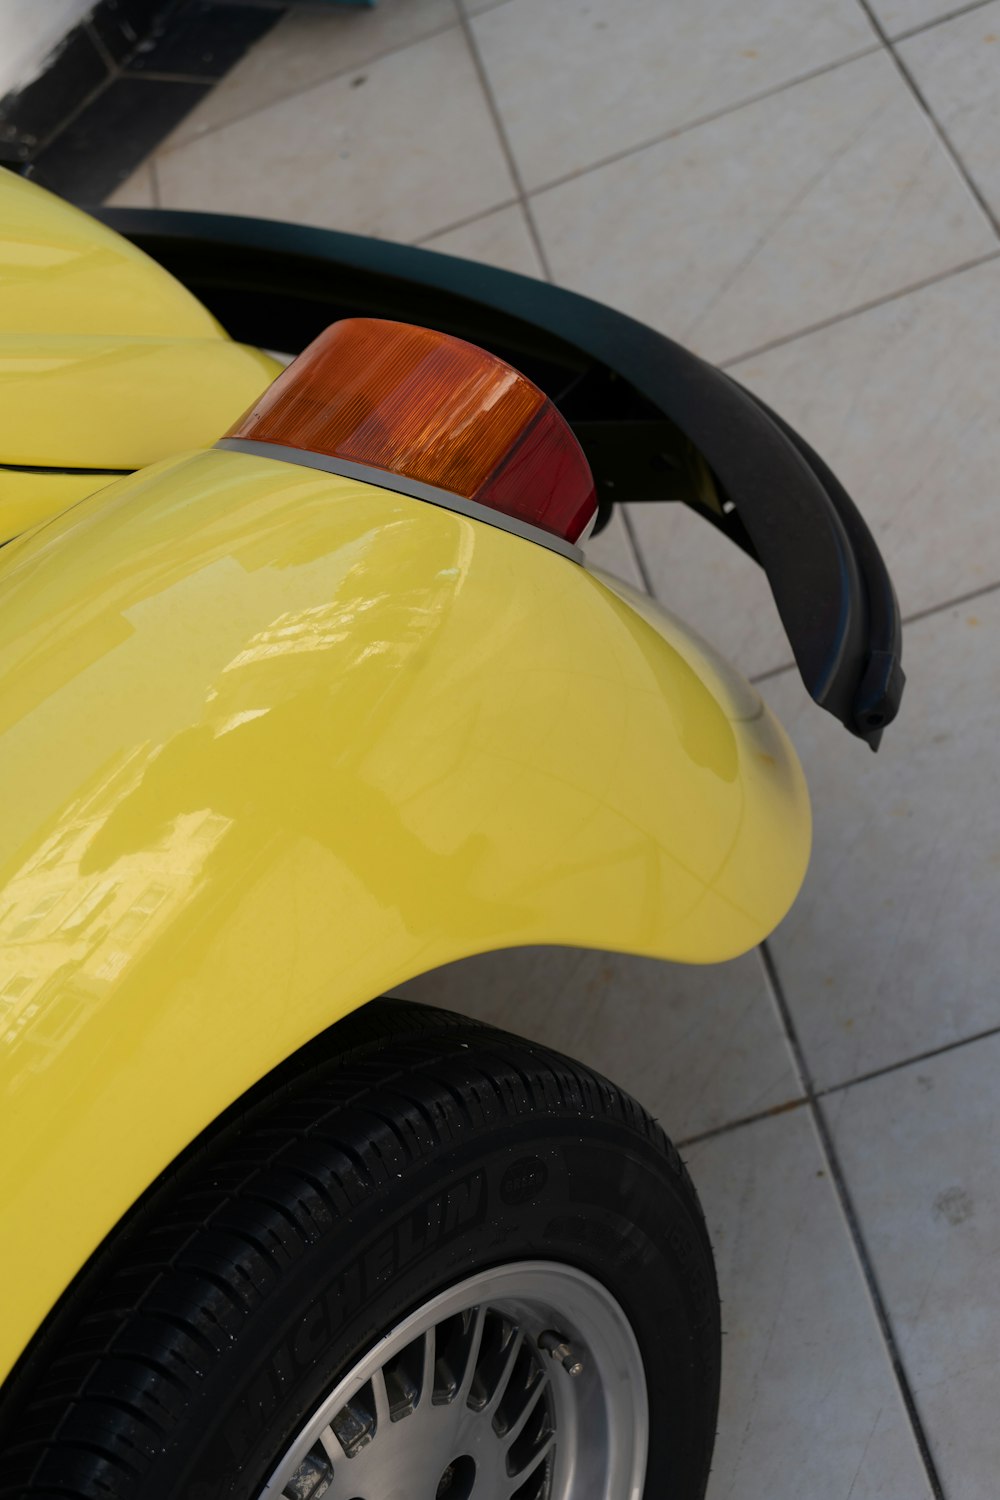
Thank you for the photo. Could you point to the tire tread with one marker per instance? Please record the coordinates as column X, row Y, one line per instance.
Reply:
column 194, row 1259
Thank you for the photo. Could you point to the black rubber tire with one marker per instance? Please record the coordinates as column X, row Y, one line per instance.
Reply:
column 172, row 1370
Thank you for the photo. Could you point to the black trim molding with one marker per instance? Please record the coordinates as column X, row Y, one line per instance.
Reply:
column 655, row 421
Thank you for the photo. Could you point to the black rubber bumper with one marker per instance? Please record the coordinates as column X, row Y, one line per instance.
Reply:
column 657, row 423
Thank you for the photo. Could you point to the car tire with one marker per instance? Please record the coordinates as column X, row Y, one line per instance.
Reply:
column 428, row 1261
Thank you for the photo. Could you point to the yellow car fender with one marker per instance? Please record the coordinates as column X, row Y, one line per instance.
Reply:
column 272, row 742
column 61, row 272
column 106, row 362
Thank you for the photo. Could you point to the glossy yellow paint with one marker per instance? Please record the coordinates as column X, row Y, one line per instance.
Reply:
column 106, row 362
column 117, row 402
column 62, row 272
column 273, row 742
column 30, row 496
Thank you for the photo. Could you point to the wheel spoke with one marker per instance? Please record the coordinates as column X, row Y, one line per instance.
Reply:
column 380, row 1401
column 503, row 1380
column 534, row 1462
column 428, row 1366
column 475, row 1344
column 534, row 1396
column 466, row 1395
column 331, row 1446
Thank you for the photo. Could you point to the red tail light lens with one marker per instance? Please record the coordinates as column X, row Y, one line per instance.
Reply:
column 431, row 408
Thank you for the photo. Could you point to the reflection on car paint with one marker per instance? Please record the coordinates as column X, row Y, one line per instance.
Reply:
column 282, row 740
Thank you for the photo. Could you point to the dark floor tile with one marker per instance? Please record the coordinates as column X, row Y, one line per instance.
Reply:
column 38, row 111
column 200, row 39
column 123, row 24
column 115, row 132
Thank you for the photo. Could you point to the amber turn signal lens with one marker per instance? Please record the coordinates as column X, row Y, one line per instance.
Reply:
column 423, row 405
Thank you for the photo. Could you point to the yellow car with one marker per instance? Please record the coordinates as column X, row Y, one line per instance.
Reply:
column 307, row 688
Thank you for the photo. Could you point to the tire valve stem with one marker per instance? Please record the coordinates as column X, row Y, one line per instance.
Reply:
column 562, row 1351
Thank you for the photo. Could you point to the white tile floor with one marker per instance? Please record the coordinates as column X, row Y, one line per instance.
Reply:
column 764, row 182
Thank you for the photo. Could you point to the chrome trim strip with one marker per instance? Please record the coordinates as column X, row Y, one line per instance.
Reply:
column 404, row 486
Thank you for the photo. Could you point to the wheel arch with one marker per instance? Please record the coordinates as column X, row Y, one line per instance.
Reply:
column 282, row 741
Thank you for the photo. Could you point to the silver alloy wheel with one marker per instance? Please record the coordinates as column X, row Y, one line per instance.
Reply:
column 471, row 1398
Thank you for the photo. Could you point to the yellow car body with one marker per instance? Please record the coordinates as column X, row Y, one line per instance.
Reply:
column 273, row 741
column 106, row 363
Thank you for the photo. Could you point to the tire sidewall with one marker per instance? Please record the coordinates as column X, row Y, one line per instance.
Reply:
column 540, row 1193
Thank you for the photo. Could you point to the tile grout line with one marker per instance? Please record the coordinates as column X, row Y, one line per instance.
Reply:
column 97, row 42
column 714, row 1131
column 115, row 72
column 525, row 195
column 638, row 556
column 95, row 93
column 862, row 307
column 319, row 83
column 786, row 1107
column 152, row 75
column 911, row 619
column 839, row 1181
column 934, row 609
column 505, row 146
column 496, row 4
column 908, row 1062
column 951, row 15
column 686, row 126
column 425, row 239
column 154, row 178
column 789, row 1105
column 788, row 666
column 935, row 123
